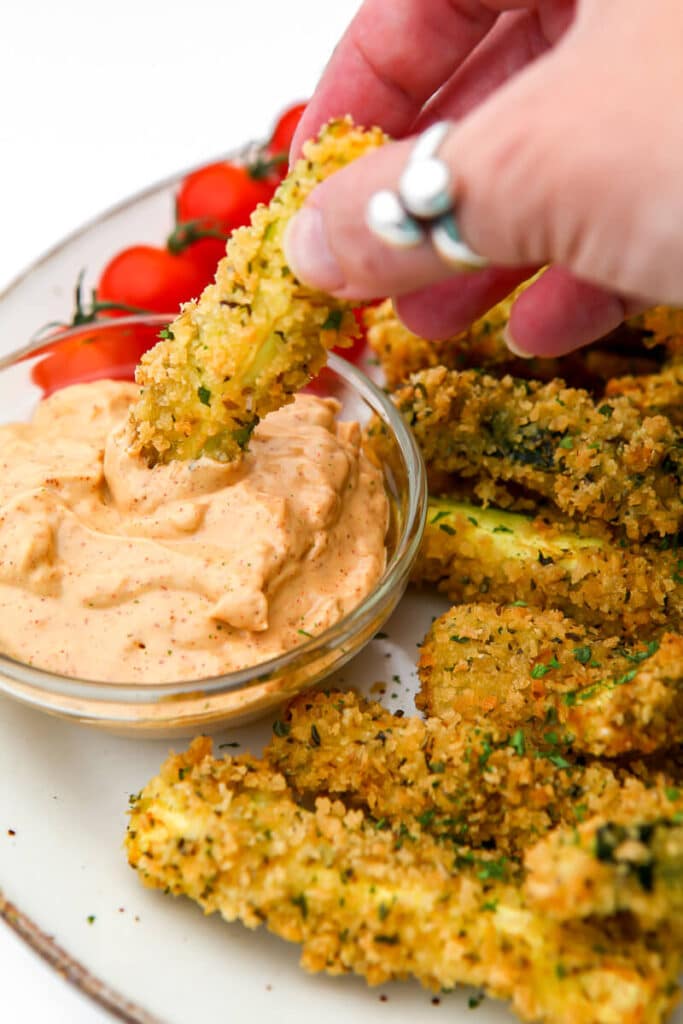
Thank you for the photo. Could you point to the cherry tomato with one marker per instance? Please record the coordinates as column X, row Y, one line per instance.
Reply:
column 206, row 254
column 93, row 354
column 151, row 279
column 282, row 136
column 220, row 198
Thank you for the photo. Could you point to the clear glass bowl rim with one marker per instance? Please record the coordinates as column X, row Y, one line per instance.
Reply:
column 337, row 635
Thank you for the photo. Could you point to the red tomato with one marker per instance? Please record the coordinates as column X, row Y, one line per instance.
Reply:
column 282, row 136
column 151, row 279
column 93, row 353
column 220, row 198
column 206, row 254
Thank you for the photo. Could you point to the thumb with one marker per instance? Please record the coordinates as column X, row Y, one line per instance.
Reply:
column 575, row 161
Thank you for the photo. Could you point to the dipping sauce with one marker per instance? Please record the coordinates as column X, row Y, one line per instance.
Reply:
column 113, row 571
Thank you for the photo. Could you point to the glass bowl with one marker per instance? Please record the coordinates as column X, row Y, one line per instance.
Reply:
column 236, row 697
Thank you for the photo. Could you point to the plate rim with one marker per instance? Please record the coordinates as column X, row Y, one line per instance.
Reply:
column 70, row 969
column 45, row 946
column 238, row 153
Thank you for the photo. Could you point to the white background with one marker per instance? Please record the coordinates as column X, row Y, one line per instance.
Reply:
column 98, row 100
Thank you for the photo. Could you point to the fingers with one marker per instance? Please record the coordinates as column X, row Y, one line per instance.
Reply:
column 320, row 241
column 446, row 309
column 548, row 170
column 544, row 170
column 516, row 40
column 329, row 246
column 559, row 313
column 393, row 57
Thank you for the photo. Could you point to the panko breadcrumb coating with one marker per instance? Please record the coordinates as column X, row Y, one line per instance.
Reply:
column 653, row 393
column 604, row 461
column 229, row 835
column 661, row 324
column 629, row 861
column 460, row 785
column 485, row 554
column 254, row 337
column 508, row 668
column 482, row 346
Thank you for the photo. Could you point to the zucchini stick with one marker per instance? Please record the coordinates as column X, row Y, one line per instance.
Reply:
column 229, row 835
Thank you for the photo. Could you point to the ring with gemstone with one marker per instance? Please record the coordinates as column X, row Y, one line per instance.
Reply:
column 423, row 206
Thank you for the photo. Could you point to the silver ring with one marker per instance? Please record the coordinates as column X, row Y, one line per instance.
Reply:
column 423, row 206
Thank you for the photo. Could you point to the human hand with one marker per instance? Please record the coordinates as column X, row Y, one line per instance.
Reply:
column 567, row 149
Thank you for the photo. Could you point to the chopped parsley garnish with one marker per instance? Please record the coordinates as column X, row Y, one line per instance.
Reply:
column 540, row 670
column 639, row 656
column 557, row 760
column 280, row 728
column 204, row 395
column 492, row 869
column 582, row 654
column 302, row 903
column 447, row 529
column 315, row 736
column 242, row 434
column 517, row 743
column 486, row 751
column 334, row 320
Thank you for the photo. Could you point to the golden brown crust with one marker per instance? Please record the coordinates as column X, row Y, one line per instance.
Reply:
column 510, row 668
column 469, row 785
column 229, row 835
column 603, row 461
column 483, row 554
column 254, row 337
column 628, row 860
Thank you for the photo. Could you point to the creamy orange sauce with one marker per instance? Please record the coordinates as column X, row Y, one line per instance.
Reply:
column 113, row 571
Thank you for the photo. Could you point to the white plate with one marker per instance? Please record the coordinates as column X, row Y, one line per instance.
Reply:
column 67, row 887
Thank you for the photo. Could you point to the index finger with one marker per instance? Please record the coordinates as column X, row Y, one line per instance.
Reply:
column 394, row 55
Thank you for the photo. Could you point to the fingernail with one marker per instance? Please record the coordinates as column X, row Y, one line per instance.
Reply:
column 513, row 346
column 308, row 253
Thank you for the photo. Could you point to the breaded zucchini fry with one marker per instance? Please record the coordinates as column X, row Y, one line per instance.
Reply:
column 653, row 393
column 484, row 554
column 229, row 835
column 511, row 668
column 401, row 353
column 631, row 861
column 457, row 784
column 605, row 461
column 662, row 324
column 254, row 337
